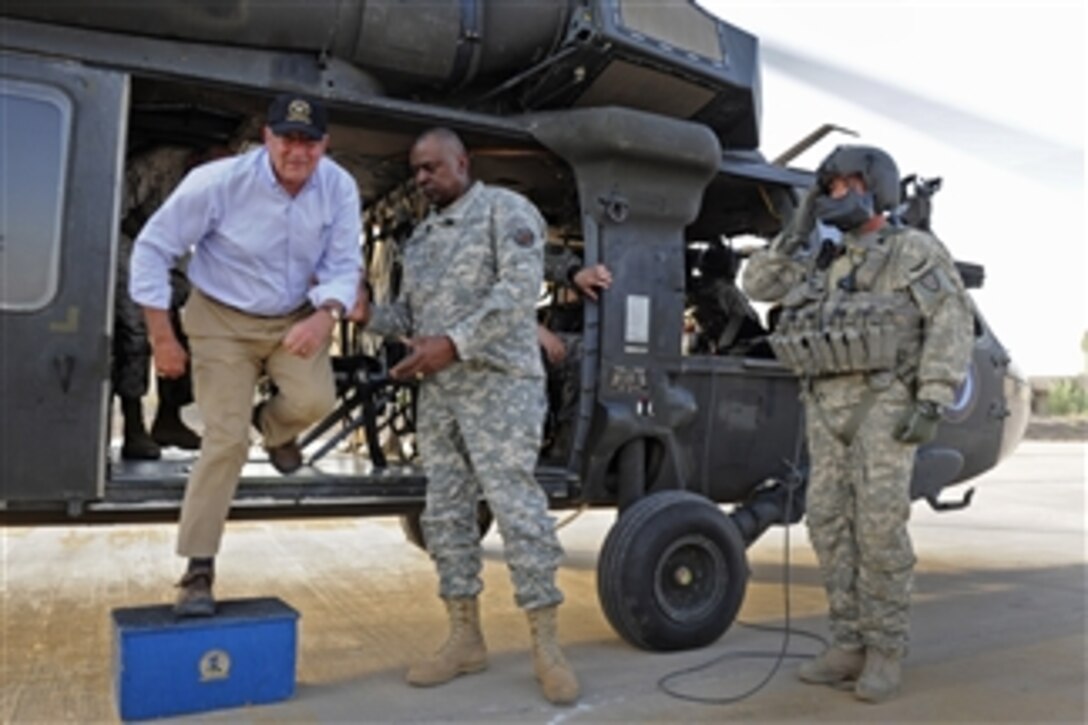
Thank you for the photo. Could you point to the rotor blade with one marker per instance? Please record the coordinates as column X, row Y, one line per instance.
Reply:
column 808, row 142
column 1007, row 147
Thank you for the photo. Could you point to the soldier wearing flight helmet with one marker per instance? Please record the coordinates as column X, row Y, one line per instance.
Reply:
column 879, row 330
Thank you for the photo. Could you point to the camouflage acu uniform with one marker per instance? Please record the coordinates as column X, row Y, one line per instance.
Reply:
column 131, row 349
column 563, row 378
column 149, row 179
column 564, row 383
column 859, row 486
column 472, row 271
column 560, row 264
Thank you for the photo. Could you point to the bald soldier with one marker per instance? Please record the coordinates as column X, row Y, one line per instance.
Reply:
column 472, row 274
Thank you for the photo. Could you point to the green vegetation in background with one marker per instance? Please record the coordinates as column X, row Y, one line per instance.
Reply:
column 1067, row 397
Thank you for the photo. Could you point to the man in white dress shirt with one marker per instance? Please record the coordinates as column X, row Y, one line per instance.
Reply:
column 275, row 239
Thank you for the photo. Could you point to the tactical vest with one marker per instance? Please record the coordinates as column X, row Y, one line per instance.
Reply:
column 848, row 328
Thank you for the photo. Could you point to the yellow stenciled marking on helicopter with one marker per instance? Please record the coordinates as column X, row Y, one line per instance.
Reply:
column 69, row 325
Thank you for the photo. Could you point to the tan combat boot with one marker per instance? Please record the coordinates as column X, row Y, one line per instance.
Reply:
column 880, row 678
column 834, row 665
column 463, row 651
column 552, row 670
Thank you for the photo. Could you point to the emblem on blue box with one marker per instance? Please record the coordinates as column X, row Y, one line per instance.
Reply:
column 214, row 665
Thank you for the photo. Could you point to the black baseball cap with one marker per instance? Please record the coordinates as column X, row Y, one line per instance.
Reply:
column 295, row 113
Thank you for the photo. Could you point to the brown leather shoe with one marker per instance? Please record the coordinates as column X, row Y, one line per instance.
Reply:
column 285, row 458
column 195, row 594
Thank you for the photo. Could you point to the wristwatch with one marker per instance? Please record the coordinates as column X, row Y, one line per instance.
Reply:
column 335, row 310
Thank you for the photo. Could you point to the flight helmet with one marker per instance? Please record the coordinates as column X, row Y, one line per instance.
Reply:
column 881, row 177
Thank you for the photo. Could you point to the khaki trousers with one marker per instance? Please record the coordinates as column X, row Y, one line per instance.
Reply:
column 230, row 351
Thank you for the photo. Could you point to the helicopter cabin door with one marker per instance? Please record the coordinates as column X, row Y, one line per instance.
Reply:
column 62, row 127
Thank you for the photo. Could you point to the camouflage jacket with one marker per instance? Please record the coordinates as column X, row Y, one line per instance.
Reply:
column 149, row 179
column 907, row 264
column 473, row 272
column 560, row 264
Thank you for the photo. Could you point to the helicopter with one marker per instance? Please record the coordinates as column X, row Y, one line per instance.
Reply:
column 634, row 128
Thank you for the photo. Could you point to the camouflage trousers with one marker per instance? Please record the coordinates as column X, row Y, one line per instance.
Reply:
column 563, row 383
column 479, row 433
column 131, row 361
column 857, row 512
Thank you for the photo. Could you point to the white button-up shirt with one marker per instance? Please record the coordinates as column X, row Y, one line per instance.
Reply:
column 255, row 247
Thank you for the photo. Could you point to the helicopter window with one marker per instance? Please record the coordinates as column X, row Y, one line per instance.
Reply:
column 675, row 25
column 34, row 147
column 718, row 318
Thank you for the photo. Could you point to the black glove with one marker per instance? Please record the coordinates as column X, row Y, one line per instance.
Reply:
column 919, row 425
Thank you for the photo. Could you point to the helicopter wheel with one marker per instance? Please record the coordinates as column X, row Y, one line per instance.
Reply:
column 412, row 526
column 672, row 572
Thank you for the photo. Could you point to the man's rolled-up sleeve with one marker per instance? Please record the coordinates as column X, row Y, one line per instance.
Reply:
column 180, row 223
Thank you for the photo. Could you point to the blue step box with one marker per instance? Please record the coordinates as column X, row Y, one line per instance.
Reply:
column 164, row 665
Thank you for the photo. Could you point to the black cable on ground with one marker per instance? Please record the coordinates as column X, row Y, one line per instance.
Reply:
column 783, row 653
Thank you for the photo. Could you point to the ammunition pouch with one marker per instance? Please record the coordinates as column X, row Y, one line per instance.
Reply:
column 857, row 333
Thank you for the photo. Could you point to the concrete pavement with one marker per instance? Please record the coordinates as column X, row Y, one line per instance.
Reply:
column 999, row 619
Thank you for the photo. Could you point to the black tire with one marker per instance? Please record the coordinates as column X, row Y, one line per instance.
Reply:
column 672, row 572
column 412, row 527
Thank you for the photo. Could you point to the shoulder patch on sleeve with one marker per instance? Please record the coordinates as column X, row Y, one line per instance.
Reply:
column 523, row 236
column 930, row 281
column 915, row 254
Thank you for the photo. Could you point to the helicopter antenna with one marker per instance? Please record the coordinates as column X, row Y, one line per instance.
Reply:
column 808, row 142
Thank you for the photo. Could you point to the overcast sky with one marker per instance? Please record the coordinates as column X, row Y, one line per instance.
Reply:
column 987, row 95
